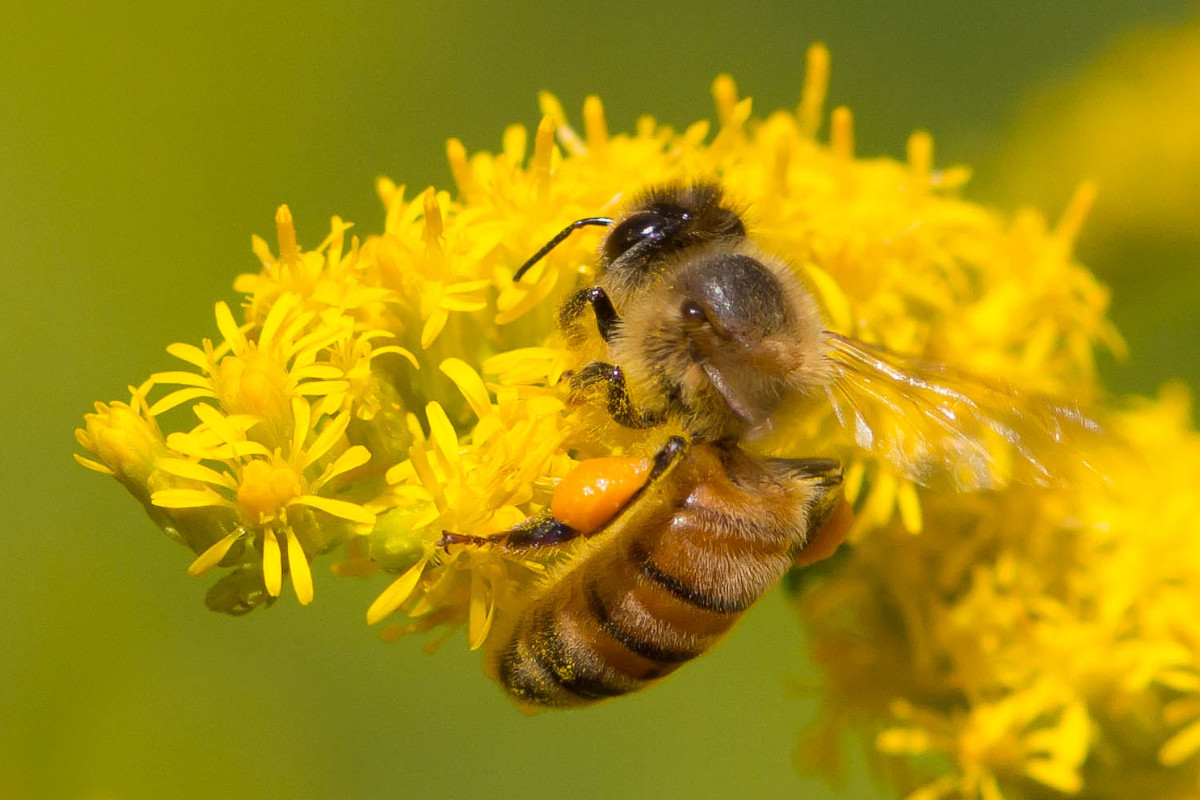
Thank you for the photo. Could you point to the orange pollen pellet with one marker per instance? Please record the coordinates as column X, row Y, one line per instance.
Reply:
column 596, row 491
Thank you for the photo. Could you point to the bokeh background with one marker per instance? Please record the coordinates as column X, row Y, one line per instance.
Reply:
column 142, row 144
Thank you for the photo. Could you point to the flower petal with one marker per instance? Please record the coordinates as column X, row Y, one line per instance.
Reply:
column 481, row 611
column 910, row 506
column 301, row 420
column 330, row 435
column 275, row 317
column 397, row 593
column 272, row 563
column 338, row 508
column 319, row 388
column 433, row 326
column 298, row 565
column 470, row 384
column 92, row 465
column 442, row 432
column 213, row 555
column 229, row 328
column 189, row 353
column 177, row 398
column 353, row 458
column 197, row 472
column 323, row 372
column 1181, row 746
column 181, row 378
column 400, row 351
column 188, row 498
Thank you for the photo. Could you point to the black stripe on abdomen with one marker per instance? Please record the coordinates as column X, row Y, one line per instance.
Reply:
column 583, row 680
column 642, row 558
column 631, row 641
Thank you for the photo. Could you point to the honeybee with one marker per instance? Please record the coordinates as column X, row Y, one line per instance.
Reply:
column 703, row 330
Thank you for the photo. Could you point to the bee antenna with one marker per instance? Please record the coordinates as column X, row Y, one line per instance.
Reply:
column 557, row 240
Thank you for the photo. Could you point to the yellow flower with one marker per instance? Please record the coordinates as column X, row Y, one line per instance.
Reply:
column 511, row 460
column 273, row 500
column 1048, row 636
column 260, row 377
column 124, row 438
column 1040, row 734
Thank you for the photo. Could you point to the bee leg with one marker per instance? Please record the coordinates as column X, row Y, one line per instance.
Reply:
column 825, row 472
column 535, row 532
column 545, row 530
column 667, row 455
column 607, row 320
column 827, row 536
column 619, row 404
column 829, row 515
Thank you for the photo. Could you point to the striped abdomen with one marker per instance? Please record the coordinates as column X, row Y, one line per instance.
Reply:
column 680, row 566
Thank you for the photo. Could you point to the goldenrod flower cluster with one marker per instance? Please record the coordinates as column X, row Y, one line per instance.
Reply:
column 371, row 394
column 1029, row 643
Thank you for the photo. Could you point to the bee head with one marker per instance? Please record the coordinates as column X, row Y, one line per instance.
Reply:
column 661, row 224
column 733, row 339
column 658, row 225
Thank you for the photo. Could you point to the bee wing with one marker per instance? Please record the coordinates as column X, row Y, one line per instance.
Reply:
column 942, row 427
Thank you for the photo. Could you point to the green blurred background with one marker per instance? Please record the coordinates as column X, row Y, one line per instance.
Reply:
column 141, row 145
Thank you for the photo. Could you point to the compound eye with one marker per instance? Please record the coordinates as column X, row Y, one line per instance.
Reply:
column 652, row 225
column 692, row 314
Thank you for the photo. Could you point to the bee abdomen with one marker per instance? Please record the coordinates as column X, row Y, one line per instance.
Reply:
column 662, row 591
column 559, row 654
column 689, row 585
column 619, row 622
column 634, row 640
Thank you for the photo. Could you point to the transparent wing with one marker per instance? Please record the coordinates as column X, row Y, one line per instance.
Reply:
column 941, row 427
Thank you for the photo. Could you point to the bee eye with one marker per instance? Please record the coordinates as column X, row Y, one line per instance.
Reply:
column 692, row 314
column 652, row 225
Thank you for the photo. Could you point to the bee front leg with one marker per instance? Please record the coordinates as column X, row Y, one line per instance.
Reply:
column 607, row 320
column 620, row 406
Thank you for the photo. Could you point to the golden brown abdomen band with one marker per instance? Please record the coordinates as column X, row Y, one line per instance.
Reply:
column 638, row 609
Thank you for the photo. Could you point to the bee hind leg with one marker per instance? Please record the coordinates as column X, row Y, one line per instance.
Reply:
column 826, row 472
column 547, row 531
column 535, row 532
column 829, row 517
column 667, row 455
column 828, row 537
